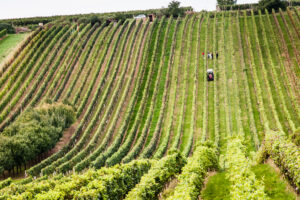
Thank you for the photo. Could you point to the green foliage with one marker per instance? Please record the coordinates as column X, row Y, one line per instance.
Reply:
column 106, row 183
column 191, row 180
column 122, row 94
column 3, row 33
column 49, row 161
column 91, row 146
column 239, row 6
column 34, row 132
column 226, row 2
column 175, row 9
column 271, row 4
column 122, row 16
column 161, row 172
column 7, row 26
column 295, row 137
column 5, row 183
column 19, row 87
column 94, row 19
column 244, row 183
column 144, row 98
column 285, row 154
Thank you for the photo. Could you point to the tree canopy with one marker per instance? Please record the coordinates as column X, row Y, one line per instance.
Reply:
column 226, row 2
column 34, row 132
column 8, row 27
column 175, row 9
column 271, row 4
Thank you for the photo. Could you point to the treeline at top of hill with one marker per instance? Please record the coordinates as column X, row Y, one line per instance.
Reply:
column 173, row 9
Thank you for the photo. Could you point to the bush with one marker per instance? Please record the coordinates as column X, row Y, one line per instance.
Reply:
column 271, row 4
column 93, row 20
column 244, row 184
column 122, row 17
column 191, row 181
column 161, row 172
column 226, row 2
column 285, row 154
column 8, row 27
column 33, row 27
column 174, row 9
column 34, row 132
column 239, row 6
column 106, row 183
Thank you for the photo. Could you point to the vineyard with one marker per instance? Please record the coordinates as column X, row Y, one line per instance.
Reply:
column 147, row 123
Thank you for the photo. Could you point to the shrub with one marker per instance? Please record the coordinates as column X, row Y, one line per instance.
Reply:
column 226, row 2
column 174, row 9
column 8, row 27
column 161, row 172
column 271, row 4
column 285, row 154
column 34, row 132
column 191, row 180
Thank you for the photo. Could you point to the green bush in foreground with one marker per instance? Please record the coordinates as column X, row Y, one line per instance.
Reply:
column 285, row 154
column 244, row 184
column 191, row 180
column 106, row 183
column 161, row 172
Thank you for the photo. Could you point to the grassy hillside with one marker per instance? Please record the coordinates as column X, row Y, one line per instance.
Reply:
column 140, row 91
column 8, row 44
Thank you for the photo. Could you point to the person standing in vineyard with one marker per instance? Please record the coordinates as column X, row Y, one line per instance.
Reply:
column 203, row 54
column 217, row 55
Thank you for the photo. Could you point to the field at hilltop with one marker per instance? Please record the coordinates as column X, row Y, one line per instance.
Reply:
column 148, row 123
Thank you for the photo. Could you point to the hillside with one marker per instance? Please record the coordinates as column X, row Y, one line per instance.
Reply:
column 140, row 91
column 9, row 43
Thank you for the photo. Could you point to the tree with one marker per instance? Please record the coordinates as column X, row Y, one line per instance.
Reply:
column 271, row 4
column 94, row 19
column 174, row 9
column 226, row 2
column 35, row 131
column 8, row 27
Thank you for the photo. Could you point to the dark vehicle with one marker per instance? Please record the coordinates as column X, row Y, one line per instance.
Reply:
column 210, row 75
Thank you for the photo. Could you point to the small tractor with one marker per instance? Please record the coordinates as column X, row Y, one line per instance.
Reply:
column 210, row 74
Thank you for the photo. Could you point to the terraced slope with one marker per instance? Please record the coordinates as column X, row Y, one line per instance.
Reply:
column 140, row 91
